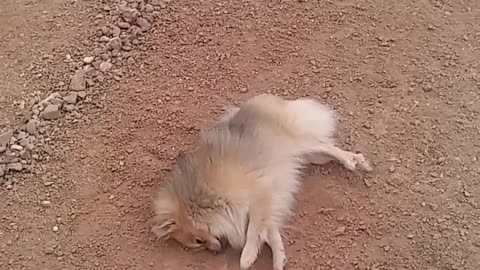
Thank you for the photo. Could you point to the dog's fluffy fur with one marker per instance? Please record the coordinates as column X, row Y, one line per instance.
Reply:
column 240, row 184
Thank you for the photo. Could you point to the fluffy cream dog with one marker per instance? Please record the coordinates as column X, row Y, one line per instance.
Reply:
column 240, row 183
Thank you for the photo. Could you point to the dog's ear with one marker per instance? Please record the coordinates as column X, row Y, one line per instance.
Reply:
column 163, row 230
column 181, row 157
column 183, row 162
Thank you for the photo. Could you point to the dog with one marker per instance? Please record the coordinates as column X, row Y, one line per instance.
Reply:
column 239, row 185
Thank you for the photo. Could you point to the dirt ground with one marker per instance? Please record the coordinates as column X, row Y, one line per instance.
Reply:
column 404, row 77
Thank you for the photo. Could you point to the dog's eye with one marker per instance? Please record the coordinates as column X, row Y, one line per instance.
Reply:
column 199, row 241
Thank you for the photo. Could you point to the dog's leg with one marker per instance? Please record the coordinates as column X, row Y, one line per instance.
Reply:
column 256, row 236
column 274, row 240
column 349, row 159
column 319, row 158
column 228, row 114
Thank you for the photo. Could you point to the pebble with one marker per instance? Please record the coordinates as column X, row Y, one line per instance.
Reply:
column 55, row 228
column 16, row 167
column 114, row 44
column 78, row 82
column 16, row 147
column 51, row 112
column 56, row 101
column 339, row 231
column 131, row 61
column 31, row 126
column 410, row 236
column 116, row 31
column 143, row 24
column 88, row 59
column 71, row 98
column 129, row 15
column 5, row 137
column 82, row 94
column 46, row 203
column 69, row 108
column 123, row 25
column 104, row 39
column 3, row 149
column 105, row 66
column 391, row 169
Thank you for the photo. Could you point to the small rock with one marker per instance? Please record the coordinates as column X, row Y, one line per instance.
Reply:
column 56, row 101
column 105, row 66
column 243, row 90
column 410, row 236
column 16, row 167
column 114, row 44
column 116, row 31
column 129, row 15
column 427, row 88
column 16, row 147
column 31, row 126
column 124, row 25
column 367, row 182
column 143, row 24
column 391, row 169
column 5, row 137
column 433, row 206
column 82, row 94
column 46, row 203
column 339, row 231
column 3, row 149
column 2, row 170
column 29, row 146
column 104, row 39
column 77, row 82
column 160, row 3
column 71, row 98
column 49, row 250
column 69, row 108
column 51, row 112
column 148, row 8
column 131, row 61
column 88, row 59
column 55, row 228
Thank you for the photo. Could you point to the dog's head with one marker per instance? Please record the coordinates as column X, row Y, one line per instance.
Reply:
column 173, row 222
column 180, row 209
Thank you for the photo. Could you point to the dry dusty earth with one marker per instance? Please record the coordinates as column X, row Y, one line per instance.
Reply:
column 80, row 168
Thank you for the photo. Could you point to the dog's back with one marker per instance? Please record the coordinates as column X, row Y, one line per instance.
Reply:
column 271, row 119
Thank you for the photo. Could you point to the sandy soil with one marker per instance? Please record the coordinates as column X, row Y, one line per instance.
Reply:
column 403, row 76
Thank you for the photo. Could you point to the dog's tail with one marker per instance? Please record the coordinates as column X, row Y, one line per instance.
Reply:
column 316, row 118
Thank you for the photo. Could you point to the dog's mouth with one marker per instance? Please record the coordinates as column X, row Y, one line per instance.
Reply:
column 216, row 245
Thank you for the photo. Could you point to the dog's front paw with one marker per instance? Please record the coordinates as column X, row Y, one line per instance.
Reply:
column 248, row 257
column 362, row 162
column 279, row 261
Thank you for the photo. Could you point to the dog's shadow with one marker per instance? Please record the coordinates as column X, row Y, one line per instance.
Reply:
column 231, row 260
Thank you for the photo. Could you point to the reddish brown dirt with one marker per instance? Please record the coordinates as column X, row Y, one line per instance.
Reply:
column 403, row 76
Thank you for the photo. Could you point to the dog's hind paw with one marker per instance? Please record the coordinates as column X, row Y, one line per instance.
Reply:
column 248, row 257
column 355, row 160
